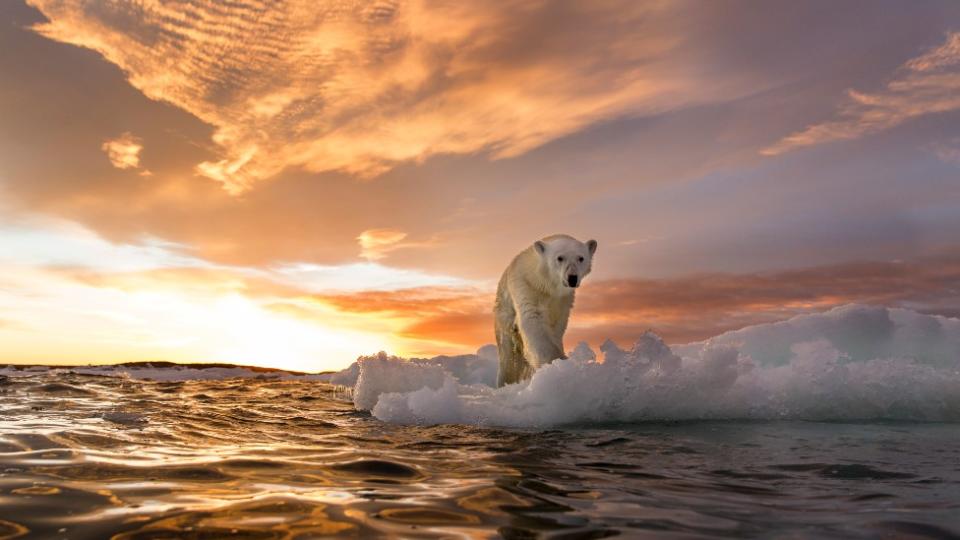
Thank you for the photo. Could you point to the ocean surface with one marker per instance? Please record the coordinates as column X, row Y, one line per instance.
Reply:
column 94, row 456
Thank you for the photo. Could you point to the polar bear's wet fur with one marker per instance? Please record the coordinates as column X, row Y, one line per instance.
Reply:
column 533, row 303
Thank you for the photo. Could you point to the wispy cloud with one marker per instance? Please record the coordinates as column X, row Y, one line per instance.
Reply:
column 375, row 244
column 124, row 151
column 439, row 318
column 927, row 84
column 7, row 324
column 947, row 151
column 696, row 307
column 42, row 241
column 360, row 87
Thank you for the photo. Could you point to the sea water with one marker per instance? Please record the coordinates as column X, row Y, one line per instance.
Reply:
column 84, row 456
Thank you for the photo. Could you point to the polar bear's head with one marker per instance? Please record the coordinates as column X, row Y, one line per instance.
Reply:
column 566, row 259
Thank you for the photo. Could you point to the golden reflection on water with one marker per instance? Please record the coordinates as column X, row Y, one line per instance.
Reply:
column 243, row 458
column 490, row 501
column 254, row 519
column 9, row 529
column 36, row 490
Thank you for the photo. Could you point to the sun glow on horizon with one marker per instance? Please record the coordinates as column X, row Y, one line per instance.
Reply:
column 246, row 333
column 70, row 297
column 108, row 325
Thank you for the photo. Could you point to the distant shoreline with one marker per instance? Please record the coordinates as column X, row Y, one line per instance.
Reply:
column 169, row 370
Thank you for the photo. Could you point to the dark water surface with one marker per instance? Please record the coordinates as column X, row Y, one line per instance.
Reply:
column 99, row 457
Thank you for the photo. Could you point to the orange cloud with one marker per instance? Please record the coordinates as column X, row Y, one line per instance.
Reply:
column 927, row 84
column 124, row 151
column 6, row 323
column 415, row 302
column 375, row 243
column 194, row 281
column 359, row 87
column 436, row 319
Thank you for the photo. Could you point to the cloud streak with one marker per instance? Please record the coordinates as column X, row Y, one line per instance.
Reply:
column 682, row 309
column 376, row 244
column 948, row 152
column 927, row 84
column 124, row 151
column 360, row 87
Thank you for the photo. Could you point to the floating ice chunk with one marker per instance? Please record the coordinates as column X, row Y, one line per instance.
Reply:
column 479, row 368
column 612, row 354
column 859, row 332
column 381, row 374
column 850, row 363
column 650, row 351
column 434, row 406
column 348, row 376
column 582, row 352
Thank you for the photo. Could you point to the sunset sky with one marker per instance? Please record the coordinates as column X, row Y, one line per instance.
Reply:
column 299, row 182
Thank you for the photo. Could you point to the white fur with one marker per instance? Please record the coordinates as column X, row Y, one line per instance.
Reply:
column 533, row 304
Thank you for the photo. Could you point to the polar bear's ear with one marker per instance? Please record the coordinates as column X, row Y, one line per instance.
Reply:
column 592, row 246
column 540, row 247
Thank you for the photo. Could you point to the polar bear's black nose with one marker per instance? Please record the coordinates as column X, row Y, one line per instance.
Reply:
column 572, row 280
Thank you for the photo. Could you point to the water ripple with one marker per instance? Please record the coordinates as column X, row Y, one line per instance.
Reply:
column 107, row 457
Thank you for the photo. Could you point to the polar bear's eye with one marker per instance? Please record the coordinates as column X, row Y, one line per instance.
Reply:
column 559, row 259
column 580, row 259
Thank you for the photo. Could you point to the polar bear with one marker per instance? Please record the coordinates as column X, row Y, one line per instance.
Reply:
column 533, row 304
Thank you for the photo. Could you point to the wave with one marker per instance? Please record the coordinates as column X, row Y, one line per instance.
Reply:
column 854, row 362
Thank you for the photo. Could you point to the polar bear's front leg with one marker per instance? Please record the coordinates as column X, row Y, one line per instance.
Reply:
column 539, row 344
column 512, row 368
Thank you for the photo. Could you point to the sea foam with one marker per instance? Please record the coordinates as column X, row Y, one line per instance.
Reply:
column 851, row 363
